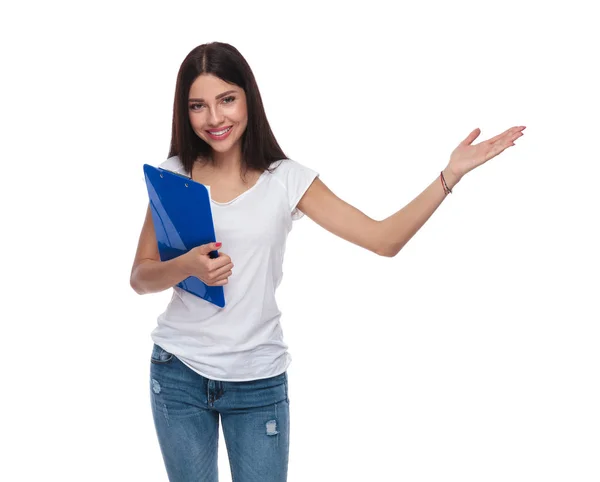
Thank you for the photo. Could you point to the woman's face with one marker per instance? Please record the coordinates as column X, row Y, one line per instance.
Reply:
column 218, row 112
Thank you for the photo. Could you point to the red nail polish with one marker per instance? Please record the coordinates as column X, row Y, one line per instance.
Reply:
column 218, row 245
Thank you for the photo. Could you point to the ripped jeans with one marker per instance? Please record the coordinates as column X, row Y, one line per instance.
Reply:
column 186, row 408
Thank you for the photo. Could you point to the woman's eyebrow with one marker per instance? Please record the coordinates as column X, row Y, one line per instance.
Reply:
column 217, row 97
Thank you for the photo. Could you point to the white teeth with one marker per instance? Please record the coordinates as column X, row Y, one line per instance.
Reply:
column 220, row 133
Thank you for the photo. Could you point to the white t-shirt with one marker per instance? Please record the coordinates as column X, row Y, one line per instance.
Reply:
column 243, row 340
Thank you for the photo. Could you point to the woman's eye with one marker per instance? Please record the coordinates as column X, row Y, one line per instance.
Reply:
column 230, row 99
column 195, row 106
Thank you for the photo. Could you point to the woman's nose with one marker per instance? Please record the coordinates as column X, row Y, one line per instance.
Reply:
column 216, row 117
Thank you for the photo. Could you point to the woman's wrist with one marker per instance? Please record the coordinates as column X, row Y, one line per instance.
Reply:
column 183, row 263
column 451, row 178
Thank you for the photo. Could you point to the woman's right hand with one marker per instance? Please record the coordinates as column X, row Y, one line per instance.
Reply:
column 211, row 271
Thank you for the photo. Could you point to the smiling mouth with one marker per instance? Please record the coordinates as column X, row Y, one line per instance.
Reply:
column 220, row 133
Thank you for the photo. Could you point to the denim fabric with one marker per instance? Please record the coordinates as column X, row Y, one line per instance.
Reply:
column 186, row 408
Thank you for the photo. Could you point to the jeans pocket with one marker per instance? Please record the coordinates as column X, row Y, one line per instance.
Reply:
column 160, row 356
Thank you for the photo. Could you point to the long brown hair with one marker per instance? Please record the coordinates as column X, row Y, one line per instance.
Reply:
column 259, row 146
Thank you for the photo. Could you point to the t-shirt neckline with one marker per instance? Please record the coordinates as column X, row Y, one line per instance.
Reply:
column 258, row 181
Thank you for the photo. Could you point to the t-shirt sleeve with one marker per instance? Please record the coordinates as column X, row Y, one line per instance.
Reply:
column 296, row 178
column 173, row 164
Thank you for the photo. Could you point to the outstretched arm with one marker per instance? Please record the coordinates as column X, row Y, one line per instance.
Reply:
column 386, row 237
column 389, row 236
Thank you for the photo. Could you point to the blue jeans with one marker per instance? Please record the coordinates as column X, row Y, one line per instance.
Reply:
column 254, row 415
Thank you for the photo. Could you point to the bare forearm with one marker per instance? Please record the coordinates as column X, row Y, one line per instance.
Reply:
column 400, row 227
column 154, row 276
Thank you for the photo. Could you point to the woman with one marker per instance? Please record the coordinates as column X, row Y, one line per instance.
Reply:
column 210, row 363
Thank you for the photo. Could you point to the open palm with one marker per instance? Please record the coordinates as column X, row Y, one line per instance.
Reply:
column 467, row 157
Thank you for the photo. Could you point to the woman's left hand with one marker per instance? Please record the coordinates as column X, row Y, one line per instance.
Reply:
column 466, row 157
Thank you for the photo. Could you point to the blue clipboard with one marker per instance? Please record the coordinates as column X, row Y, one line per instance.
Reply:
column 182, row 220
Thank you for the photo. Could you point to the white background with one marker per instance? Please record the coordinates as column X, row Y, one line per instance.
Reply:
column 471, row 356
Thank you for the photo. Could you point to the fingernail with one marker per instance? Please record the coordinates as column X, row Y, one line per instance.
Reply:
column 218, row 245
